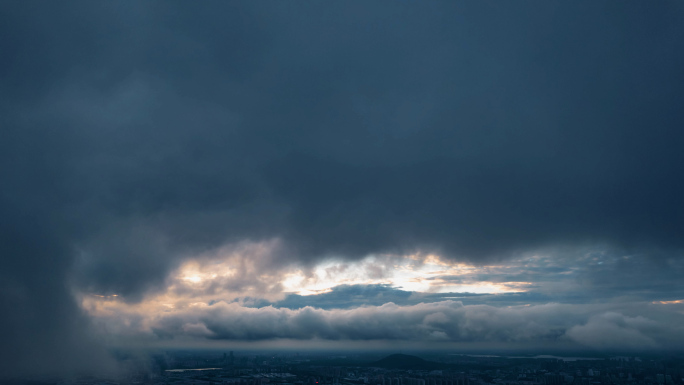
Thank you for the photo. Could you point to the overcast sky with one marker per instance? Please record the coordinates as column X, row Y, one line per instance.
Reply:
column 335, row 173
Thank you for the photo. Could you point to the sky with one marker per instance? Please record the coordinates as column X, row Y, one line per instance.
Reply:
column 339, row 174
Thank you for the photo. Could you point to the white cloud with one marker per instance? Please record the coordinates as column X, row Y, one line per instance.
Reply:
column 614, row 330
column 593, row 326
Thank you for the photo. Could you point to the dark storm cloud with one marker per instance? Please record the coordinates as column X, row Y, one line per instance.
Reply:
column 472, row 129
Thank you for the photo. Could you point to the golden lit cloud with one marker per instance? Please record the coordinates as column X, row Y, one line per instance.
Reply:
column 237, row 274
column 679, row 301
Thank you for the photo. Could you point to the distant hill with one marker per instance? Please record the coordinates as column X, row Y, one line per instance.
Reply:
column 405, row 361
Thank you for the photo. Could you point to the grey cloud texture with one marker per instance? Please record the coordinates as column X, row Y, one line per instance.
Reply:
column 135, row 135
column 614, row 330
column 598, row 327
column 475, row 131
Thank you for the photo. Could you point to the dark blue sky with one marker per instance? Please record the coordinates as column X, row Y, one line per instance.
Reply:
column 144, row 141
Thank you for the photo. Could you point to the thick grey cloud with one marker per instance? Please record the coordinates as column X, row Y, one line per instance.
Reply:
column 614, row 330
column 475, row 131
column 451, row 323
column 137, row 134
column 40, row 320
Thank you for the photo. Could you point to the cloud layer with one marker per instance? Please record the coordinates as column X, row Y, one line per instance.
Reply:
column 445, row 323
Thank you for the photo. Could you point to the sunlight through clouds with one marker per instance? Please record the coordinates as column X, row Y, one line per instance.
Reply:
column 432, row 275
column 231, row 274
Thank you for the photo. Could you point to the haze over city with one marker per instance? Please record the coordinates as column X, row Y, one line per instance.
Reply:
column 425, row 177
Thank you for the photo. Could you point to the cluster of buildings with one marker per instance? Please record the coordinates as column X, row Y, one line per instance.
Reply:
column 192, row 368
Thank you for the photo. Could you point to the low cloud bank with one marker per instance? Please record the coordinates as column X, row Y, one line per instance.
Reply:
column 601, row 327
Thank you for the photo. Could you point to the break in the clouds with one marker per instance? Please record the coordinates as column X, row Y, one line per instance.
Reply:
column 563, row 304
column 138, row 139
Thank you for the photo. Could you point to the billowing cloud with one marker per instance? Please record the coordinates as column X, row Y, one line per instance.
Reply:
column 614, row 331
column 448, row 322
